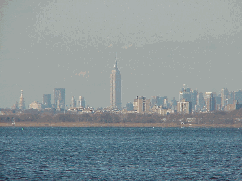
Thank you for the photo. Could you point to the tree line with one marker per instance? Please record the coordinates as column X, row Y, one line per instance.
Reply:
column 234, row 117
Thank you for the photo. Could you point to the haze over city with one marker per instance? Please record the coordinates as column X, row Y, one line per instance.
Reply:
column 160, row 45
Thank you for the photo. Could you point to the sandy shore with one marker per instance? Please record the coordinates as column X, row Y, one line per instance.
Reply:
column 88, row 124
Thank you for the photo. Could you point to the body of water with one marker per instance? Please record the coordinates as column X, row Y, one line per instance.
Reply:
column 120, row 153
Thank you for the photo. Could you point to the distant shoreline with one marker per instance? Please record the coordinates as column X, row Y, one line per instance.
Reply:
column 88, row 124
column 231, row 119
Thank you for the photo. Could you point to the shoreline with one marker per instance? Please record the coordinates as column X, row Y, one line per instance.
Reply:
column 88, row 124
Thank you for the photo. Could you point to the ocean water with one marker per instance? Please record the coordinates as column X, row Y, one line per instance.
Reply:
column 120, row 153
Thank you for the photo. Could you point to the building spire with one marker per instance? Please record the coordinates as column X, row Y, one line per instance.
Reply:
column 116, row 62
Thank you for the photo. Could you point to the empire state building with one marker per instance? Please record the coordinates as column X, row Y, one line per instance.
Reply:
column 115, row 90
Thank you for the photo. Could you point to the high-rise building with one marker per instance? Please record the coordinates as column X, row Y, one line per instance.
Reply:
column 238, row 96
column 158, row 101
column 21, row 101
column 184, row 107
column 155, row 101
column 59, row 98
column 185, row 93
column 115, row 90
column 173, row 104
column 210, row 102
column 73, row 102
column 81, row 102
column 189, row 95
column 224, row 97
column 200, row 100
column 141, row 104
column 130, row 106
column 15, row 106
column 46, row 100
column 194, row 94
column 166, row 104
column 218, row 99
column 231, row 97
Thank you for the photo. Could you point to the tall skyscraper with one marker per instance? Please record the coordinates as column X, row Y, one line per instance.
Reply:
column 194, row 94
column 210, row 102
column 73, row 102
column 189, row 95
column 200, row 100
column 46, row 100
column 81, row 103
column 224, row 97
column 238, row 96
column 185, row 93
column 59, row 98
column 115, row 90
column 21, row 101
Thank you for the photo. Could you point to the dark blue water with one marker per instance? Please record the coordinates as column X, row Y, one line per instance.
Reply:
column 120, row 153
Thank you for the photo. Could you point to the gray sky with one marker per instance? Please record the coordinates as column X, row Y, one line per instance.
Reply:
column 160, row 45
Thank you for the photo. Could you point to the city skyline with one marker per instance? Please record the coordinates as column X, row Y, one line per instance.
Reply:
column 207, row 102
column 160, row 44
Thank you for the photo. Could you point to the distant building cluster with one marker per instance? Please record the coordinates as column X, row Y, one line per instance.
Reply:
column 190, row 101
column 58, row 105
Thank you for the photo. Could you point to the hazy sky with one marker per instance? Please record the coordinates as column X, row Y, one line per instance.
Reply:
column 160, row 46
